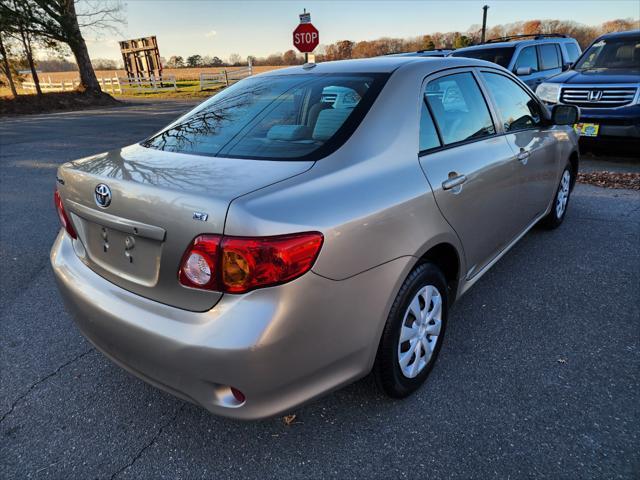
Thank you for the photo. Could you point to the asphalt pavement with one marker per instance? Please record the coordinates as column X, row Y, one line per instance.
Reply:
column 539, row 376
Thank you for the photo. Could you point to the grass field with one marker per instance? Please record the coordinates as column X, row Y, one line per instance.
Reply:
column 186, row 89
column 187, row 82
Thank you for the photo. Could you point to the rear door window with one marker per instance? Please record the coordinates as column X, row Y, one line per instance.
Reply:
column 428, row 134
column 301, row 117
column 459, row 108
column 517, row 109
column 572, row 51
column 527, row 58
column 550, row 56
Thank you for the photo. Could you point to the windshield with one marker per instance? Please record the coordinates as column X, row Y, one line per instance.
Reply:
column 612, row 53
column 500, row 55
column 300, row 117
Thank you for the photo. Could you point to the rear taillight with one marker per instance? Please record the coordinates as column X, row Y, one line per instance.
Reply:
column 199, row 268
column 62, row 215
column 241, row 264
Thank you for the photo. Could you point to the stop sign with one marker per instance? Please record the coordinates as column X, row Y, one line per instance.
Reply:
column 306, row 37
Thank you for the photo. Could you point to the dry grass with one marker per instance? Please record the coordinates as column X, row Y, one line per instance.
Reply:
column 187, row 80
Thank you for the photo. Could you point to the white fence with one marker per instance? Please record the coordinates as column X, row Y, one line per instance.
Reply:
column 49, row 86
column 226, row 77
column 140, row 84
column 110, row 84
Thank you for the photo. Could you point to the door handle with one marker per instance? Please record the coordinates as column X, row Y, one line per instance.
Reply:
column 523, row 156
column 454, row 181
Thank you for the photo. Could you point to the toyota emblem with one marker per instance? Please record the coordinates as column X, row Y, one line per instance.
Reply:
column 102, row 195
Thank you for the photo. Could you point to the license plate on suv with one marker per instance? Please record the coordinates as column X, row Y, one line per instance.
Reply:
column 587, row 129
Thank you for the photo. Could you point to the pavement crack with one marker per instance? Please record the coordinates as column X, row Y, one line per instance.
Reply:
column 153, row 440
column 43, row 379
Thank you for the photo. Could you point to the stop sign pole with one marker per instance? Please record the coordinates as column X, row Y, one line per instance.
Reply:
column 306, row 37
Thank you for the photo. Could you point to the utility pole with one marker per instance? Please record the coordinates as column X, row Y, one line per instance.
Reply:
column 484, row 23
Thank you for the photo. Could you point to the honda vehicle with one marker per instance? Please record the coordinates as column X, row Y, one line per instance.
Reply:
column 533, row 58
column 605, row 84
column 274, row 244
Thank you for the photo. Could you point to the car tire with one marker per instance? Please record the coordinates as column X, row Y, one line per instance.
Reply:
column 401, row 367
column 560, row 201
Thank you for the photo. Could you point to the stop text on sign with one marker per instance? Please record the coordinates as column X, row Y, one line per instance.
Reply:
column 306, row 37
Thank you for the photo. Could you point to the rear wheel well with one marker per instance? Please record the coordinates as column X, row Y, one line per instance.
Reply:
column 445, row 257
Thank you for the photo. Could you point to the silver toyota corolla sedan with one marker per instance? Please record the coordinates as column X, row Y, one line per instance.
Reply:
column 307, row 226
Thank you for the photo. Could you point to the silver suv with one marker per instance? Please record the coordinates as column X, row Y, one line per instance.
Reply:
column 268, row 247
column 533, row 58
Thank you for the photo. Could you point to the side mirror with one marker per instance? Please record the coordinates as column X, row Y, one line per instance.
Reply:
column 566, row 66
column 520, row 71
column 565, row 114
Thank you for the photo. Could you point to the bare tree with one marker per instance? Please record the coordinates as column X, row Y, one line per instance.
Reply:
column 59, row 21
column 6, row 67
column 4, row 52
column 290, row 58
column 26, row 38
column 104, row 64
column 194, row 61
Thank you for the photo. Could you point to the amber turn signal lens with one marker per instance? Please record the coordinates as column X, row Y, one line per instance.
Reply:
column 235, row 268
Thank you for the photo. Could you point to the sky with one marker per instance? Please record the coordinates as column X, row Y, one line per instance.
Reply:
column 258, row 28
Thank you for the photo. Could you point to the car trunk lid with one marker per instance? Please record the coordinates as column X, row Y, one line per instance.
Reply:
column 159, row 202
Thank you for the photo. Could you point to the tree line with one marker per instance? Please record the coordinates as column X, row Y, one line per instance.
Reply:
column 584, row 34
column 347, row 49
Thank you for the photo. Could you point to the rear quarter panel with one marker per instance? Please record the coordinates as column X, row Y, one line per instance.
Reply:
column 370, row 198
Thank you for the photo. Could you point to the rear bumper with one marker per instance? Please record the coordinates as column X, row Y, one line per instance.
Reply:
column 280, row 346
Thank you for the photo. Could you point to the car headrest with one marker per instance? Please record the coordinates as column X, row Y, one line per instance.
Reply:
column 625, row 52
column 288, row 132
column 329, row 121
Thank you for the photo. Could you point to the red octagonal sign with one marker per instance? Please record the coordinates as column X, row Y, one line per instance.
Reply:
column 306, row 37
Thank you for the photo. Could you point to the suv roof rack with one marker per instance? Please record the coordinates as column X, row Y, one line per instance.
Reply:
column 534, row 36
column 423, row 51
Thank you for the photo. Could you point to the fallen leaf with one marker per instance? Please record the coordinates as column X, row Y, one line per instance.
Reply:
column 562, row 360
column 289, row 419
column 629, row 180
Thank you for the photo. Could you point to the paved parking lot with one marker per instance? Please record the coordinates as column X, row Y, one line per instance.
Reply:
column 538, row 378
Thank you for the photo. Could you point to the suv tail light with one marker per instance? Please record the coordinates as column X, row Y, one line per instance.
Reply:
column 62, row 215
column 242, row 264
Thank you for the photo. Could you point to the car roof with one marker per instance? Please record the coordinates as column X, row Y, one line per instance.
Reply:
column 627, row 33
column 515, row 43
column 386, row 64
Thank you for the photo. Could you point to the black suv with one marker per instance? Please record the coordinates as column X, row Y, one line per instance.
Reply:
column 605, row 83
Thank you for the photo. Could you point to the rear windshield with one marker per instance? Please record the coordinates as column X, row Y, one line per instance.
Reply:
column 289, row 117
column 500, row 55
column 612, row 53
